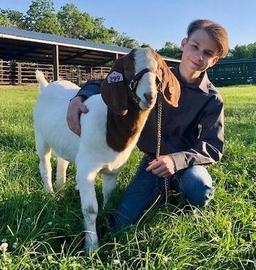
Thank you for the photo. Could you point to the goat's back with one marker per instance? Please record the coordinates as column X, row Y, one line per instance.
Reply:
column 50, row 121
column 50, row 118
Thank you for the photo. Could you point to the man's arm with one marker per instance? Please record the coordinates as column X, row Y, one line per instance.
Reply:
column 209, row 146
column 75, row 108
column 76, row 105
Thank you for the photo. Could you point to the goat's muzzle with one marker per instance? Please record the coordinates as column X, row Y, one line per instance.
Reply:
column 134, row 83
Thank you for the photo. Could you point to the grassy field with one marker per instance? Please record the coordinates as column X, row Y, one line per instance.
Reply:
column 44, row 231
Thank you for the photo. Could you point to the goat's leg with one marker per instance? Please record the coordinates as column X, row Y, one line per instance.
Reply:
column 89, row 204
column 62, row 165
column 44, row 153
column 109, row 184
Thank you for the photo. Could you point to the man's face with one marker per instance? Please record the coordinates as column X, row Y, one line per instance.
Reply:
column 199, row 51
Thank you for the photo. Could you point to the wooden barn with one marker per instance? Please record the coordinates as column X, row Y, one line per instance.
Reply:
column 22, row 52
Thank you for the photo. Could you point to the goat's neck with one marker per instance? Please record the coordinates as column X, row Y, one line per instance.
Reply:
column 124, row 130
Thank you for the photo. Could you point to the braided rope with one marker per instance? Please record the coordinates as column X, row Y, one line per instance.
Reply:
column 158, row 146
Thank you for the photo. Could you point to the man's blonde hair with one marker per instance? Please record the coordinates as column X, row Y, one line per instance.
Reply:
column 216, row 32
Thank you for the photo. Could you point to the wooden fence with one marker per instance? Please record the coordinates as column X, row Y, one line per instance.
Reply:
column 228, row 72
column 12, row 72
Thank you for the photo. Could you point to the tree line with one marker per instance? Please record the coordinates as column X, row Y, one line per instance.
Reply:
column 70, row 22
column 239, row 52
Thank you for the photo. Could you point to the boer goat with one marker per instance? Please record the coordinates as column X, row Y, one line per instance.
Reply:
column 109, row 131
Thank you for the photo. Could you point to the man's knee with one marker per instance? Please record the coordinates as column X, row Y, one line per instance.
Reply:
column 195, row 184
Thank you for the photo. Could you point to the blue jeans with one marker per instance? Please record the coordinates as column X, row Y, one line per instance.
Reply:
column 194, row 184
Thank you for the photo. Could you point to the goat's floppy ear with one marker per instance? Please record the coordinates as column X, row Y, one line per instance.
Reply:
column 114, row 90
column 170, row 84
column 171, row 91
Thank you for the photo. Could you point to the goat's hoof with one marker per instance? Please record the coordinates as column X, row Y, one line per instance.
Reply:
column 91, row 250
column 49, row 190
column 91, row 246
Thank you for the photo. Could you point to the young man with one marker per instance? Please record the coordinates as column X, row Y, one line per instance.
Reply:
column 192, row 134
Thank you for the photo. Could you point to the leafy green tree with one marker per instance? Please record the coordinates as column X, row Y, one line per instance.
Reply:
column 243, row 51
column 15, row 18
column 99, row 33
column 41, row 17
column 49, row 24
column 37, row 11
column 239, row 52
column 75, row 24
column 68, row 21
column 4, row 21
column 123, row 40
column 170, row 50
column 252, row 50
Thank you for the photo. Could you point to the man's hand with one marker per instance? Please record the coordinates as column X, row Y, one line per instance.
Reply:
column 75, row 108
column 162, row 166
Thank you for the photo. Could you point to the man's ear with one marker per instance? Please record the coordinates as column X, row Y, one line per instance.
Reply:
column 183, row 42
column 214, row 60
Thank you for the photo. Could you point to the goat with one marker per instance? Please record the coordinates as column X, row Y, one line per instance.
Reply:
column 109, row 131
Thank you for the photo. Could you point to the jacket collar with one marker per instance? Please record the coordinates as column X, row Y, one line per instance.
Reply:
column 203, row 84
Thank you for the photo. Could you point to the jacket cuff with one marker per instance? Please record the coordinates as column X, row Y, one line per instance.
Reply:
column 179, row 161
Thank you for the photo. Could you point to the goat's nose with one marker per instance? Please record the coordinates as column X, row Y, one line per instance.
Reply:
column 149, row 97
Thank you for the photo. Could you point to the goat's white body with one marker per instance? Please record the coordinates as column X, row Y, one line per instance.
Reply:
column 50, row 120
column 90, row 152
column 52, row 126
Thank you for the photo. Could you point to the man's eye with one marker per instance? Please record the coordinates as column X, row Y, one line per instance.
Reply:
column 208, row 54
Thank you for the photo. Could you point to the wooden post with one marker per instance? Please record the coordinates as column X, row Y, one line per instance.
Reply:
column 56, row 62
column 79, row 77
column 2, row 71
column 91, row 75
column 19, row 74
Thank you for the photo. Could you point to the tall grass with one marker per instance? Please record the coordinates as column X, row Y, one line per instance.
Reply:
column 44, row 231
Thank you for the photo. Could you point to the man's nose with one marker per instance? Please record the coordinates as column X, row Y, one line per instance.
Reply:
column 200, row 57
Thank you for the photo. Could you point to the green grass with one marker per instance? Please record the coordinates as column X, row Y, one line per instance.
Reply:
column 44, row 231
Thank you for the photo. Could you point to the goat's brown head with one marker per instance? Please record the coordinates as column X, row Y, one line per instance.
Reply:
column 139, row 76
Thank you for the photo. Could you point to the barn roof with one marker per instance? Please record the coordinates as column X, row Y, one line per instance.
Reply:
column 30, row 46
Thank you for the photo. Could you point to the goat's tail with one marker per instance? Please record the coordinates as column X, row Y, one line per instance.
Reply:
column 41, row 79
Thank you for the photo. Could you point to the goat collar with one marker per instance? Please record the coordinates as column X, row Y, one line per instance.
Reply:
column 134, row 83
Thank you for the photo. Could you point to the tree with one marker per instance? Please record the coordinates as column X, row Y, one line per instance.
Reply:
column 252, row 50
column 69, row 21
column 100, row 33
column 14, row 18
column 239, row 52
column 75, row 24
column 170, row 50
column 4, row 21
column 49, row 24
column 123, row 40
column 243, row 51
column 37, row 11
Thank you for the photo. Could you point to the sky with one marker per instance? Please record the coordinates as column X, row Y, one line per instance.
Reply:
column 155, row 22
